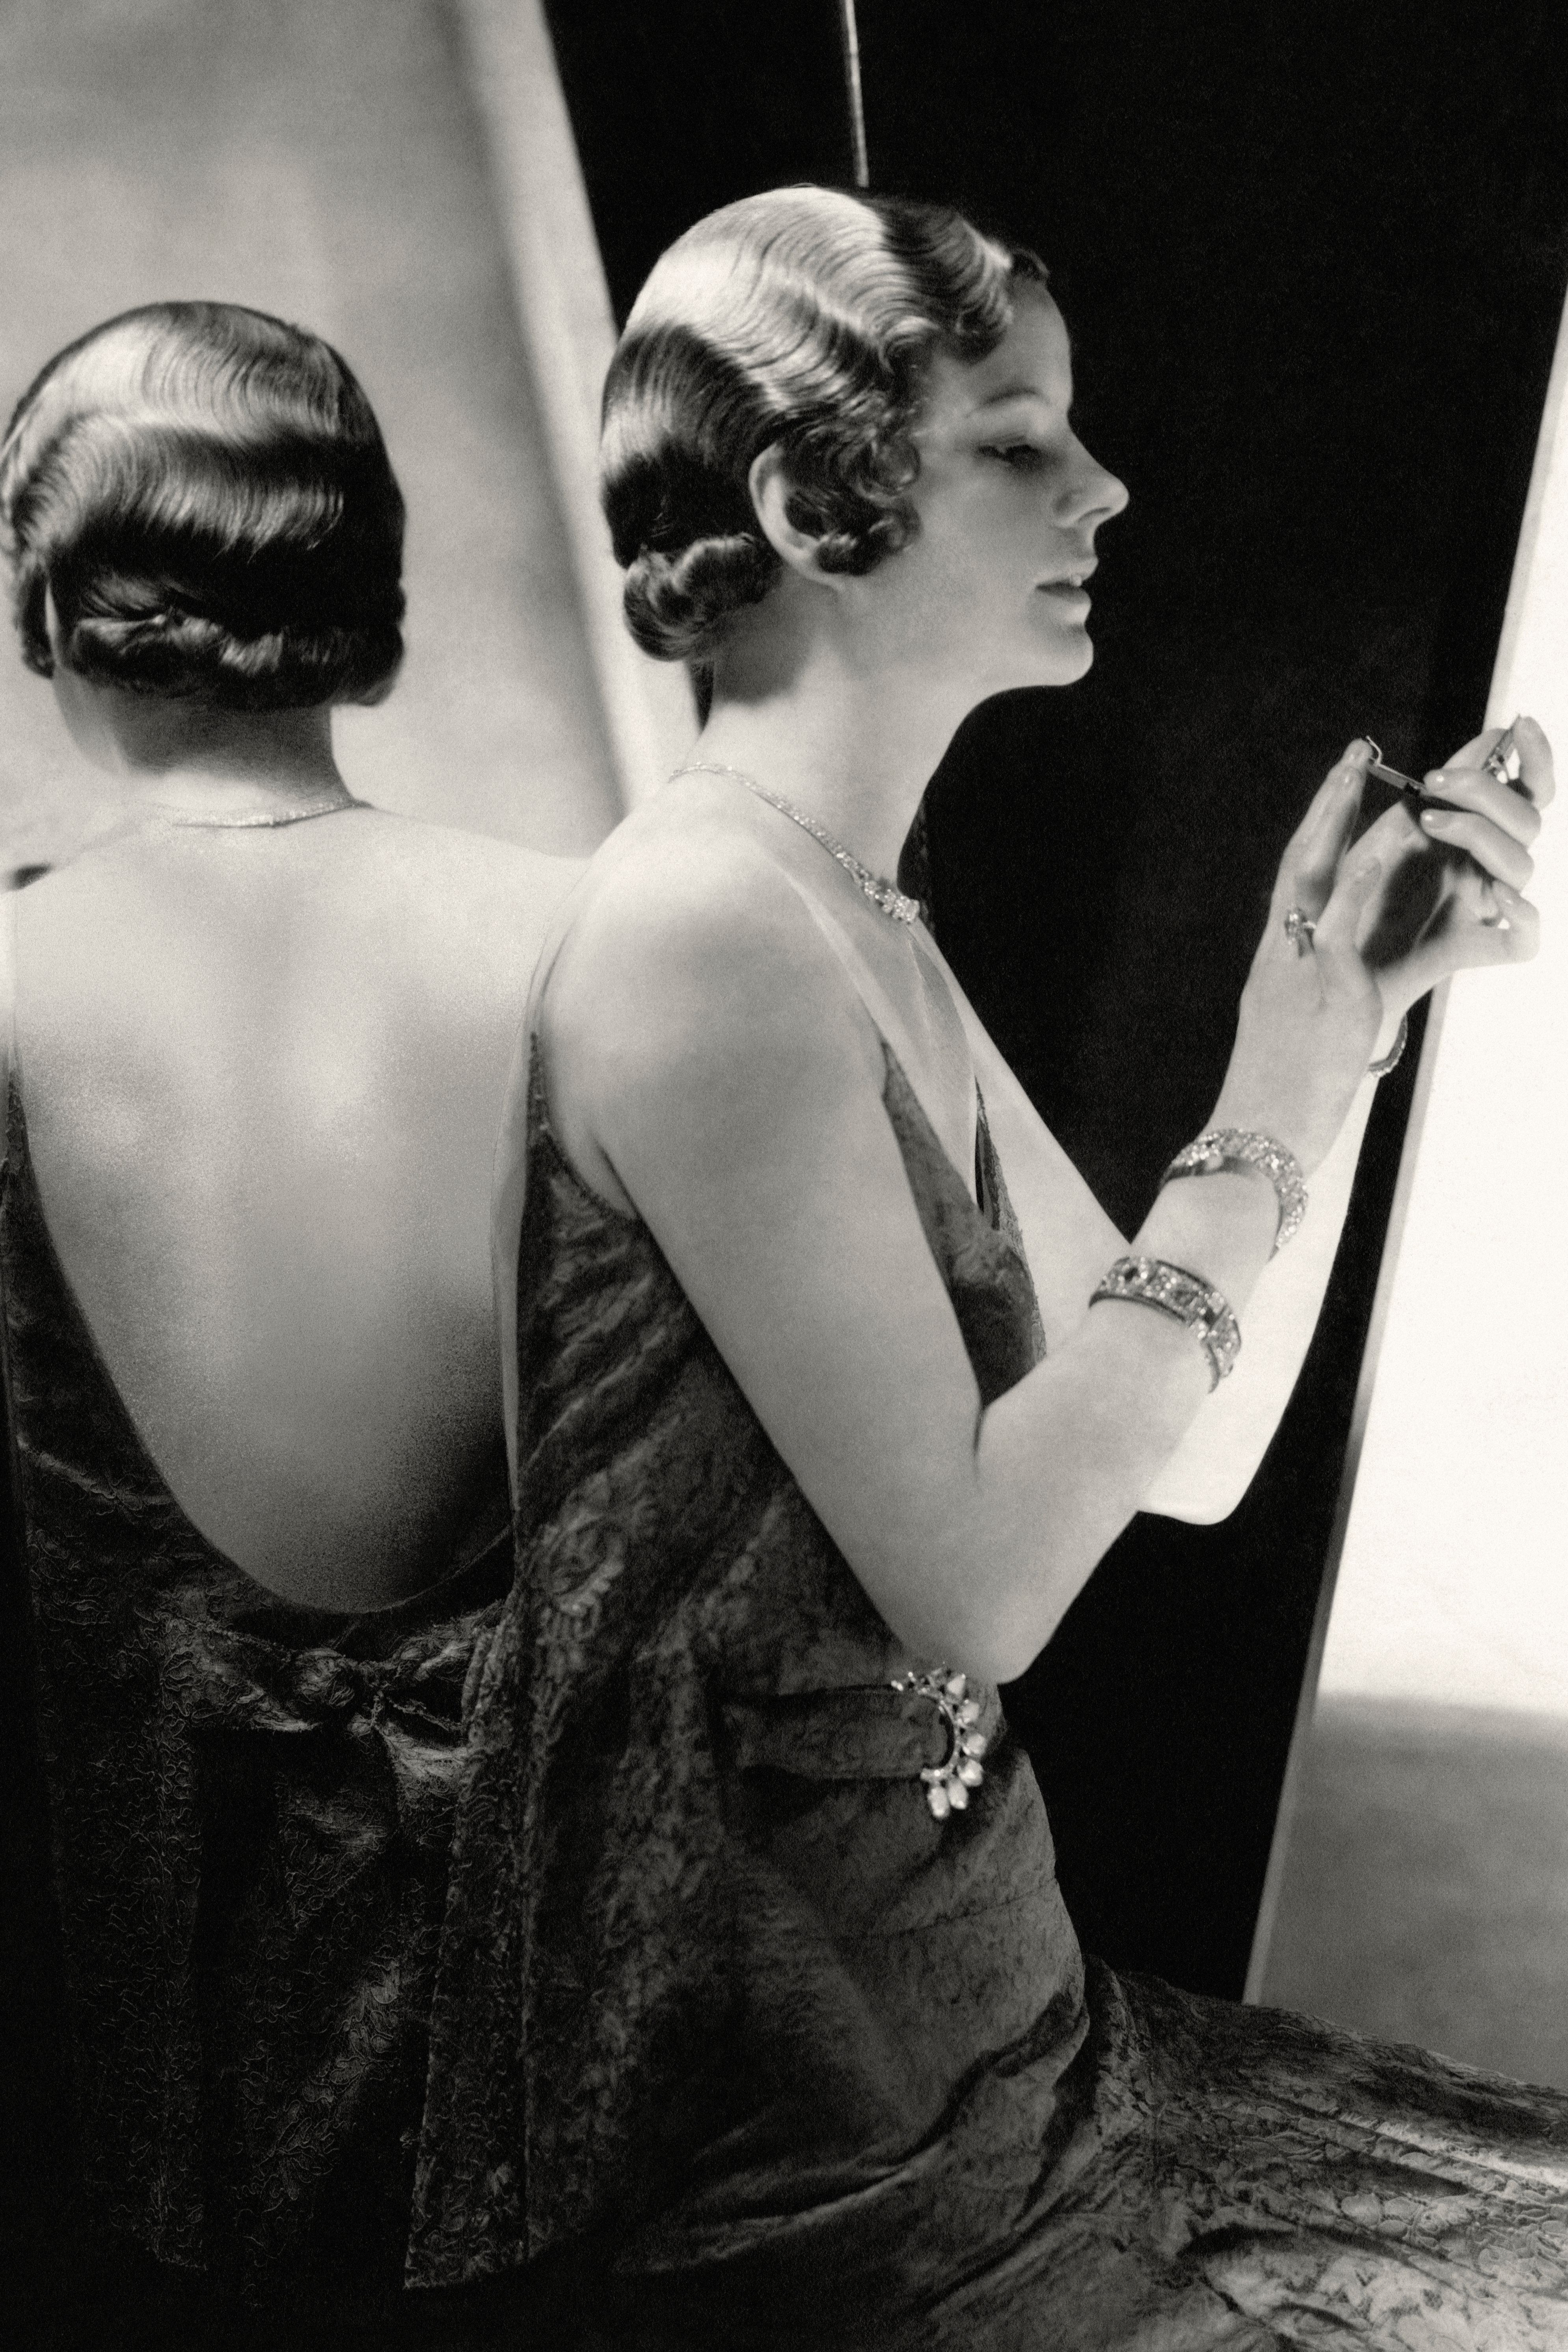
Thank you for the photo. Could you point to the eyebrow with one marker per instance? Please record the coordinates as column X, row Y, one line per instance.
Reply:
column 1018, row 392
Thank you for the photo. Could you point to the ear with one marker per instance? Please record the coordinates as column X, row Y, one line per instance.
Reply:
column 770, row 485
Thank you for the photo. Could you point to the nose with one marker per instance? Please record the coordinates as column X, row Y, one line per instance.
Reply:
column 1092, row 495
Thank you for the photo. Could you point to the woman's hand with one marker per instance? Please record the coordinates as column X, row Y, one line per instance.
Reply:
column 1463, row 907
column 1424, row 893
column 1312, row 1009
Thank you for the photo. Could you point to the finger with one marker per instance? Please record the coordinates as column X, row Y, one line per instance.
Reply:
column 1518, row 940
column 1471, row 943
column 1314, row 852
column 1537, row 773
column 1395, row 834
column 1479, row 789
column 1472, row 754
column 1340, row 921
column 1494, row 851
column 1537, row 777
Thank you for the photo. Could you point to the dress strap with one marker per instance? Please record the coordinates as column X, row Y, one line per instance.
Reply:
column 879, row 1007
column 885, row 1021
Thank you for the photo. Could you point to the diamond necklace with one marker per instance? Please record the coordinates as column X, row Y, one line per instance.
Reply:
column 885, row 896
column 270, row 817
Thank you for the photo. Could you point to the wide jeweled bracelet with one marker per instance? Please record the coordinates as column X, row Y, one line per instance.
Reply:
column 1187, row 1297
column 1240, row 1150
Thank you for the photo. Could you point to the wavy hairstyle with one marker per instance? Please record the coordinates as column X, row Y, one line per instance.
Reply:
column 204, row 494
column 805, row 317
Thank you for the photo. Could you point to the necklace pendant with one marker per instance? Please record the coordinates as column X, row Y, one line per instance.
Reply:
column 892, row 901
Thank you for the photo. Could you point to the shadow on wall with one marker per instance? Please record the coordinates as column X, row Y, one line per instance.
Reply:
column 1426, row 1893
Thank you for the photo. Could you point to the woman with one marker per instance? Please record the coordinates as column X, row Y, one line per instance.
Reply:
column 258, row 1040
column 758, row 2003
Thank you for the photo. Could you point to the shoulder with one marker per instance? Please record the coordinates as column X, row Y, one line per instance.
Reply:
column 692, row 936
column 480, row 872
column 463, row 916
column 694, row 989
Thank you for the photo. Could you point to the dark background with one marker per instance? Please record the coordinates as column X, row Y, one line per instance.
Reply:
column 1313, row 260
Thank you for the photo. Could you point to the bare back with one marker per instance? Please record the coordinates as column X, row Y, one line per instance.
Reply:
column 263, row 1071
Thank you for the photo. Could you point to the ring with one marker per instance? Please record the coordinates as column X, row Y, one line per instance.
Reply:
column 1300, row 926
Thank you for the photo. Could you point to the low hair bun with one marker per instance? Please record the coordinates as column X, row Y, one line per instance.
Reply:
column 184, row 657
column 676, row 605
column 150, row 641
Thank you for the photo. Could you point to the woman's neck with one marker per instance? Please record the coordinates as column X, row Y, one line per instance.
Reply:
column 855, row 750
column 175, row 757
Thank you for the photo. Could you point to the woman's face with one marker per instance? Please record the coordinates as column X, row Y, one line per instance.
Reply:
column 991, row 593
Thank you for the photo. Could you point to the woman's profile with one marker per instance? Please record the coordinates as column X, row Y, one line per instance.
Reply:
column 829, row 1385
column 257, row 1042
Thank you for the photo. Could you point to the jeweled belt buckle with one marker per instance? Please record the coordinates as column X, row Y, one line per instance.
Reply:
column 948, row 1784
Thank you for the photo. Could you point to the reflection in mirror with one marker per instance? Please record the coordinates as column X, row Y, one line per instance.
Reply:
column 263, row 157
column 266, row 1035
column 1419, row 1888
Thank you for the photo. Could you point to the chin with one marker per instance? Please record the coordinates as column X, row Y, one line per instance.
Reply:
column 1058, row 665
column 1018, row 668
column 1057, row 656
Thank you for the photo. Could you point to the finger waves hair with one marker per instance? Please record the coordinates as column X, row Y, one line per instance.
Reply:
column 805, row 317
column 203, row 493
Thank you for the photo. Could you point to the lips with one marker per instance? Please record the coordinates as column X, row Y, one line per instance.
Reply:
column 1072, row 580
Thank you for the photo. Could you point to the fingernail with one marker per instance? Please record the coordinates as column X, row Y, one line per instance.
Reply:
column 1438, row 820
column 1357, row 752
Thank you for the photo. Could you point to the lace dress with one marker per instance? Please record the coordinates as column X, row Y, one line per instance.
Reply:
column 250, row 1812
column 729, row 2023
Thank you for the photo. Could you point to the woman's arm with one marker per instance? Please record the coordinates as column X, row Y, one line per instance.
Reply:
column 1070, row 1240
column 1212, row 1467
column 1217, row 1460
column 707, row 1064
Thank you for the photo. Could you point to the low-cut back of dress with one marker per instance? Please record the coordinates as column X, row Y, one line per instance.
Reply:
column 250, row 1808
column 729, row 2021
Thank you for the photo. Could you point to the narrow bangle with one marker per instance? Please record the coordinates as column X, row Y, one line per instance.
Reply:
column 1187, row 1297
column 1392, row 1059
column 1240, row 1150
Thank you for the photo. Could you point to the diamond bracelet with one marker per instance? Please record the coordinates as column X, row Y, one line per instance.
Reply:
column 1187, row 1297
column 1240, row 1150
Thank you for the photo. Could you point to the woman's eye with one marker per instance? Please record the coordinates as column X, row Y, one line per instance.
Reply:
column 1023, row 454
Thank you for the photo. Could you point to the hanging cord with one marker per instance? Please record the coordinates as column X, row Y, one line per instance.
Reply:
column 850, row 32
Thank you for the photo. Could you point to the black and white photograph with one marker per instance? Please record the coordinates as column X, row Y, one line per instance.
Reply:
column 783, row 1309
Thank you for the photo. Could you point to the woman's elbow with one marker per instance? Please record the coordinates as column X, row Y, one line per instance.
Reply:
column 1007, row 1642
column 1196, row 1501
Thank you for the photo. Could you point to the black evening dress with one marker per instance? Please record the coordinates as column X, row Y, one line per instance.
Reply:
column 730, row 2020
column 250, row 1810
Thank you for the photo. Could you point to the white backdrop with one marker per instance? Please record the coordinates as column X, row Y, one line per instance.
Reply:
column 1453, row 1581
